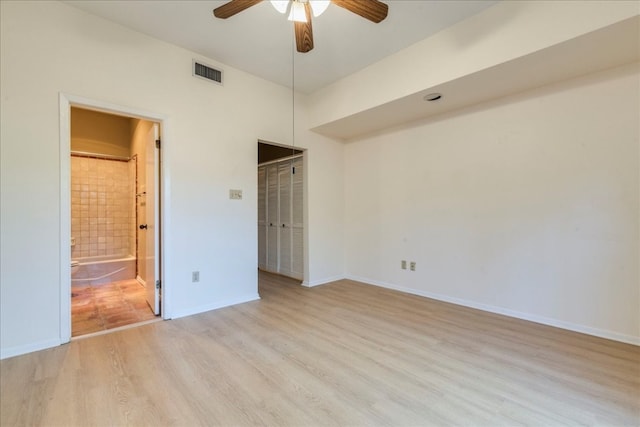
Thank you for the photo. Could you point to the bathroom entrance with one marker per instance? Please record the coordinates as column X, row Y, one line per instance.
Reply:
column 115, row 213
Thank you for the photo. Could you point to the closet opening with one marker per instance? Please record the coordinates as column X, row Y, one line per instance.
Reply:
column 281, row 234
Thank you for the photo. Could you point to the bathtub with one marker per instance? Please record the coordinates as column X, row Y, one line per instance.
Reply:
column 98, row 270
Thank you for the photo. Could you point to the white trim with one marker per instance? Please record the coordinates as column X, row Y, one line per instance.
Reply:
column 322, row 281
column 107, row 107
column 65, row 221
column 66, row 101
column 615, row 336
column 216, row 305
column 305, row 204
column 306, row 263
column 141, row 281
column 165, row 219
column 277, row 144
column 120, row 328
column 29, row 348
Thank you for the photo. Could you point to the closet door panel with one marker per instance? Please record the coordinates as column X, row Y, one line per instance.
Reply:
column 262, row 194
column 297, row 217
column 262, row 247
column 297, row 189
column 281, row 218
column 284, row 225
column 262, row 217
column 271, row 221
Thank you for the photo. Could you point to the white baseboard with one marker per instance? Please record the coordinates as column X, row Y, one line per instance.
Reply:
column 615, row 336
column 313, row 283
column 218, row 304
column 29, row 348
column 141, row 281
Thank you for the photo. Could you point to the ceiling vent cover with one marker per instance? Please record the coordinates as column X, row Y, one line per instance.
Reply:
column 206, row 72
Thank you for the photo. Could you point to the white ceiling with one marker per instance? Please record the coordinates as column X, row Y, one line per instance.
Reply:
column 599, row 50
column 260, row 41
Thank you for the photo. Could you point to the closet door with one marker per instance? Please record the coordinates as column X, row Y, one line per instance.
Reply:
column 281, row 218
column 297, row 220
column 262, row 217
column 271, row 222
column 284, row 225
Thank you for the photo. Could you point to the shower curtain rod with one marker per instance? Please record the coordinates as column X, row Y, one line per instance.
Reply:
column 100, row 156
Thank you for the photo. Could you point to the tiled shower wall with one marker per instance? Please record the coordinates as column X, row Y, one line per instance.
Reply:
column 102, row 207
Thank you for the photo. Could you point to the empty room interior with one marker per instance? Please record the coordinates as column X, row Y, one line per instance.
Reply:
column 382, row 213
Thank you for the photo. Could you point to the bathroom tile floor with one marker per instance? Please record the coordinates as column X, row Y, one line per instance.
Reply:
column 97, row 308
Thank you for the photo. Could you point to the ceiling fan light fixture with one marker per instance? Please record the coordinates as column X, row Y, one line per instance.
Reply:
column 301, row 11
column 319, row 6
column 297, row 14
column 280, row 5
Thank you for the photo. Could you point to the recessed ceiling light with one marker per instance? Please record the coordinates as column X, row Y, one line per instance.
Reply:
column 432, row 97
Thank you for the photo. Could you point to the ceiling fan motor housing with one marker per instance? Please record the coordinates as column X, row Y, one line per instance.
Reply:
column 300, row 12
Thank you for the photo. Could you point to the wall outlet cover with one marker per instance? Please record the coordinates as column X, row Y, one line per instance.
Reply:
column 235, row 194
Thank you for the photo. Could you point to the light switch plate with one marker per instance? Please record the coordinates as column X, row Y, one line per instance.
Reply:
column 235, row 194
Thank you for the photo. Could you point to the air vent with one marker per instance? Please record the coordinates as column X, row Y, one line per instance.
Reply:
column 206, row 72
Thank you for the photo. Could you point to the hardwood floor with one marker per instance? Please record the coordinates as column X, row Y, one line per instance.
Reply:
column 107, row 306
column 339, row 354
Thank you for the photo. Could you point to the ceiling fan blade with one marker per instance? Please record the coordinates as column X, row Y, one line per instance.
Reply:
column 373, row 10
column 304, row 32
column 227, row 10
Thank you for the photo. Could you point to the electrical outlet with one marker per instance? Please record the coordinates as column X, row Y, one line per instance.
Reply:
column 403, row 264
column 195, row 276
column 412, row 266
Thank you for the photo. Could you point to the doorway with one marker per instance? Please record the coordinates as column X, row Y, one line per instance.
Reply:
column 113, row 182
column 281, row 210
column 113, row 189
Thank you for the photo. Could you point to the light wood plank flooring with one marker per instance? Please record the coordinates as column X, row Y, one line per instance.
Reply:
column 339, row 354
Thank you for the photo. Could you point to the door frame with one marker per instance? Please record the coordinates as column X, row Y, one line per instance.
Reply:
column 66, row 101
column 305, row 201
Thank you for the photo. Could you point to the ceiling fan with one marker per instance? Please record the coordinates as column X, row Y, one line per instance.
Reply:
column 300, row 12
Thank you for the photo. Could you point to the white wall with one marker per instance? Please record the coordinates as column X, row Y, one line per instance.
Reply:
column 501, row 33
column 528, row 205
column 325, row 208
column 210, row 147
column 139, row 129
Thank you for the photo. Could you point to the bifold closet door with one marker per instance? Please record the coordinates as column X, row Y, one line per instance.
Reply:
column 262, row 217
column 297, row 219
column 272, row 218
column 284, row 223
column 280, row 218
